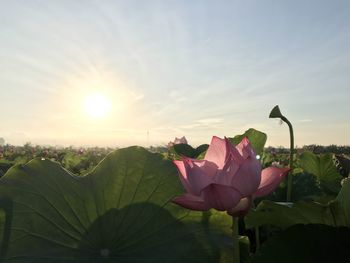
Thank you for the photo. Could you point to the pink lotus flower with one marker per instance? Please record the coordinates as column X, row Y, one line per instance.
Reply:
column 178, row 141
column 227, row 179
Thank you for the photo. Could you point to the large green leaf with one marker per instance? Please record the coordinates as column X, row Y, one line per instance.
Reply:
column 121, row 212
column 201, row 149
column 183, row 149
column 6, row 206
column 305, row 244
column 187, row 150
column 257, row 139
column 271, row 213
column 222, row 235
column 340, row 207
column 323, row 168
column 336, row 213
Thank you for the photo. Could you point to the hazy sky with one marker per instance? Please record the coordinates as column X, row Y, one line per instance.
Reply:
column 174, row 68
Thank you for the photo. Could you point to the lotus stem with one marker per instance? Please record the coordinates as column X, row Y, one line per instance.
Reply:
column 235, row 236
column 257, row 238
column 276, row 113
column 291, row 157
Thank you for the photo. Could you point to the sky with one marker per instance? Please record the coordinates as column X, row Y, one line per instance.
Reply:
column 172, row 68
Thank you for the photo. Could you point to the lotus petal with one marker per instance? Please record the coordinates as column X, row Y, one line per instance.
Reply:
column 221, row 197
column 271, row 177
column 191, row 202
column 242, row 208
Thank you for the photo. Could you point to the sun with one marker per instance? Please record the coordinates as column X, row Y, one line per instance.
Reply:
column 97, row 105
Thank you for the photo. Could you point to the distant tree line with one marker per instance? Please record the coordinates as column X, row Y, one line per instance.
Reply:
column 315, row 148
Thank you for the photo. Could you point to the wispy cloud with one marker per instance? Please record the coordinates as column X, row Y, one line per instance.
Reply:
column 210, row 121
column 203, row 123
column 305, row 120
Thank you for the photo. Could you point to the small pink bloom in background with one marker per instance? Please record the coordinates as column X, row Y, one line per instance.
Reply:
column 227, row 179
column 178, row 141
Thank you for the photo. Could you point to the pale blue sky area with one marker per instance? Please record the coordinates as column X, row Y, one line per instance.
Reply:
column 174, row 68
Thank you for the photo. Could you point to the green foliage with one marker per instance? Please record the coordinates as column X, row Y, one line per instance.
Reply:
column 81, row 163
column 218, row 225
column 283, row 216
column 78, row 161
column 340, row 207
column 120, row 212
column 71, row 160
column 244, row 249
column 342, row 163
column 187, row 150
column 183, row 149
column 305, row 188
column 59, row 217
column 305, row 244
column 335, row 213
column 201, row 149
column 323, row 168
column 257, row 139
column 4, row 166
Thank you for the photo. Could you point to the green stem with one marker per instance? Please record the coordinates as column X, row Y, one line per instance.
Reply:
column 257, row 234
column 291, row 155
column 235, row 236
column 257, row 238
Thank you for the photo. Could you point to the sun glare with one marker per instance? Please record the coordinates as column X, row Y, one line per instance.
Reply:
column 97, row 105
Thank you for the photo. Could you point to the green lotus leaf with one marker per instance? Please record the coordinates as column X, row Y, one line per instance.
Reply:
column 256, row 138
column 305, row 244
column 201, row 149
column 184, row 150
column 340, row 207
column 120, row 212
column 323, row 168
column 187, row 150
column 284, row 216
column 335, row 213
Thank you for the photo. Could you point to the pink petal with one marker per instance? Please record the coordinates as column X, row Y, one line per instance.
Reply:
column 245, row 148
column 226, row 175
column 183, row 140
column 195, row 174
column 242, row 208
column 271, row 177
column 191, row 202
column 220, row 197
column 235, row 155
column 208, row 168
column 183, row 175
column 217, row 152
column 180, row 140
column 247, row 178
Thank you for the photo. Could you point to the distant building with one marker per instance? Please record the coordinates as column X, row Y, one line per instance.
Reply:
column 2, row 141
